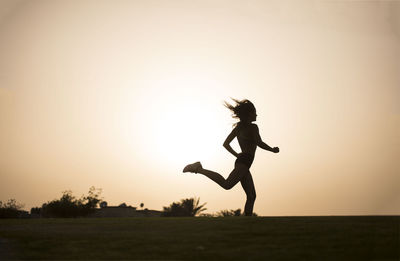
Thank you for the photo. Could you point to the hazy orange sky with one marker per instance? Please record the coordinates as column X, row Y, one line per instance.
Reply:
column 121, row 95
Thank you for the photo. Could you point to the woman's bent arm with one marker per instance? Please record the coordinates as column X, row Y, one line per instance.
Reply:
column 262, row 144
column 228, row 140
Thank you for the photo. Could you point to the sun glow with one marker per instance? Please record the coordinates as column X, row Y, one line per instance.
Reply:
column 182, row 121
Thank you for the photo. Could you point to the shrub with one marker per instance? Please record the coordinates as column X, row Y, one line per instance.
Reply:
column 69, row 206
column 10, row 209
column 229, row 213
column 36, row 211
column 206, row 215
column 189, row 207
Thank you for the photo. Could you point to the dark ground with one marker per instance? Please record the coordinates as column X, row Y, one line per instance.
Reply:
column 234, row 238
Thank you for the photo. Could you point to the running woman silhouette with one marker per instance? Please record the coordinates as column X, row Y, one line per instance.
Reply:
column 249, row 139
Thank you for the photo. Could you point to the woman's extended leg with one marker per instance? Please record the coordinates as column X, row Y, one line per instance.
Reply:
column 236, row 175
column 248, row 186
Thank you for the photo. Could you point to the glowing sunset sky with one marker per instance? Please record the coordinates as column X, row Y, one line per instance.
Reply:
column 122, row 95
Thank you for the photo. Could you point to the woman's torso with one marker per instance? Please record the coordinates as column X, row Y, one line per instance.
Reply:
column 247, row 138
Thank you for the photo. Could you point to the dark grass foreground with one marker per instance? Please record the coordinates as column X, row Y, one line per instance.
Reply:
column 236, row 238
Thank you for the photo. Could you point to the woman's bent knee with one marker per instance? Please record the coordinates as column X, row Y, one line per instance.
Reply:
column 227, row 186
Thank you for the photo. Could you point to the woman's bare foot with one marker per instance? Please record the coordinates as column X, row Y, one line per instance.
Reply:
column 194, row 167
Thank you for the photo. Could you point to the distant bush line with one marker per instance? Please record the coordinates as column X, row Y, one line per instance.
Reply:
column 68, row 206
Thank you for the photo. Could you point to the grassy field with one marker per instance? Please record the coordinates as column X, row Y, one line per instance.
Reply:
column 235, row 238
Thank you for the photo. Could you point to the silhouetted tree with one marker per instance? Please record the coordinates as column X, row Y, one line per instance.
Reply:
column 36, row 211
column 93, row 198
column 10, row 209
column 189, row 207
column 141, row 205
column 69, row 206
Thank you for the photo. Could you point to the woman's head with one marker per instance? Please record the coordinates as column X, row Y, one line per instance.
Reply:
column 243, row 110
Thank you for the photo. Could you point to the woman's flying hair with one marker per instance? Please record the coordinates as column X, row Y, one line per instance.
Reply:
column 241, row 110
